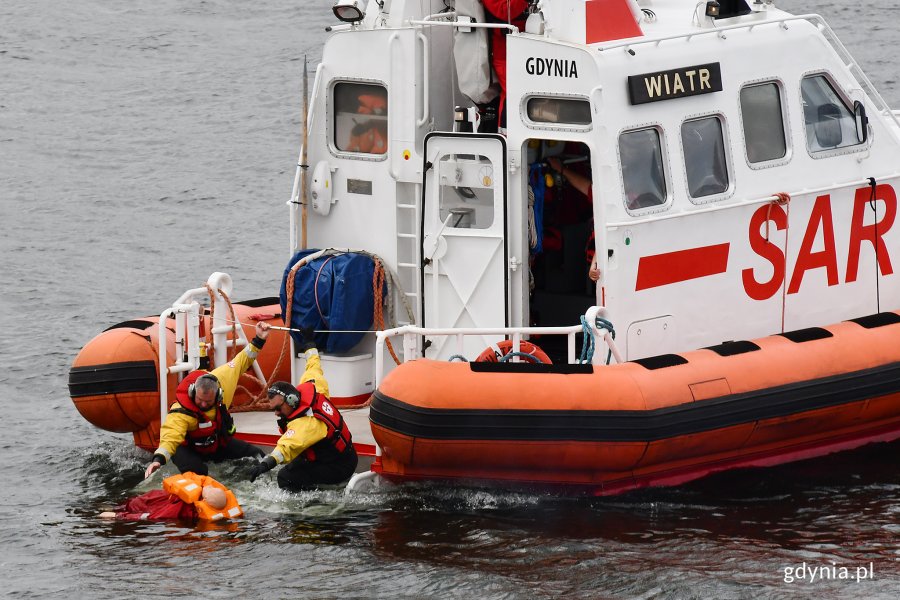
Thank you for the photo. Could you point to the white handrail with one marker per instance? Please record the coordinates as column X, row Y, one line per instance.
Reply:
column 192, row 311
column 425, row 71
column 186, row 311
column 410, row 332
column 393, row 41
column 512, row 28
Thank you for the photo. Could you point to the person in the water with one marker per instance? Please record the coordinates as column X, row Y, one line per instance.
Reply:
column 184, row 497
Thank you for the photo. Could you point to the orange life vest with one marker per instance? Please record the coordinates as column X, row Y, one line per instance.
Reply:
column 372, row 104
column 367, row 138
column 189, row 486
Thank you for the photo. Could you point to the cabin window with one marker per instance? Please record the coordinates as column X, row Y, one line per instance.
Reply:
column 569, row 111
column 704, row 156
column 467, row 185
column 763, row 120
column 829, row 123
column 643, row 174
column 360, row 118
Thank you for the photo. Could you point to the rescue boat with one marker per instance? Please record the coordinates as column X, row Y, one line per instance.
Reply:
column 661, row 420
column 727, row 166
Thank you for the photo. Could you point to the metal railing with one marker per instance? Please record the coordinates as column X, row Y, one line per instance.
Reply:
column 186, row 311
column 411, row 334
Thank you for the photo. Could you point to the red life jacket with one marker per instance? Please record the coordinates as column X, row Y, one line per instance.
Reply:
column 209, row 435
column 314, row 404
column 590, row 248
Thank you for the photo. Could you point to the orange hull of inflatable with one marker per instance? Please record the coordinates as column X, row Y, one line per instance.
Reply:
column 659, row 421
column 114, row 380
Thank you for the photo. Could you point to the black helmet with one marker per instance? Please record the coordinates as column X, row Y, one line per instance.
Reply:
column 284, row 389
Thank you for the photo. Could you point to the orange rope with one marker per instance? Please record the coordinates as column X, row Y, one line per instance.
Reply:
column 233, row 325
column 255, row 398
column 210, row 348
column 783, row 200
column 378, row 319
column 289, row 294
column 355, row 406
column 209, row 333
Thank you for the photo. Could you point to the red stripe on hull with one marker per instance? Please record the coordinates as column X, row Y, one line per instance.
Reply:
column 637, row 479
column 344, row 401
column 762, row 459
column 673, row 267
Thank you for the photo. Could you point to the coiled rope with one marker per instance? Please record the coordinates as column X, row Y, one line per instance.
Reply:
column 378, row 283
column 381, row 277
column 383, row 299
column 212, row 307
column 232, row 352
column 588, row 344
column 525, row 355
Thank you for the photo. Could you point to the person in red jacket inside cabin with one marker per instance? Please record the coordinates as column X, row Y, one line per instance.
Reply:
column 515, row 13
column 315, row 446
column 583, row 184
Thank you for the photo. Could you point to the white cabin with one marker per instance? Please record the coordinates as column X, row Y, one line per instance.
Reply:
column 688, row 128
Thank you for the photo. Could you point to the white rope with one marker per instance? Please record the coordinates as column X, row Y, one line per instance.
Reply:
column 279, row 328
column 532, row 226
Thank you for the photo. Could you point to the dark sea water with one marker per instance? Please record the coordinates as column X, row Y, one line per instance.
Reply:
column 144, row 145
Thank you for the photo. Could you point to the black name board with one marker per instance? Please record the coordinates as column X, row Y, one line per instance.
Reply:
column 676, row 83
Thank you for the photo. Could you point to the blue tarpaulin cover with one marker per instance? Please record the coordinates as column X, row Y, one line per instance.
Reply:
column 342, row 284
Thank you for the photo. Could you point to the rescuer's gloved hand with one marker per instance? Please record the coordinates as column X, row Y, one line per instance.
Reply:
column 307, row 334
column 266, row 464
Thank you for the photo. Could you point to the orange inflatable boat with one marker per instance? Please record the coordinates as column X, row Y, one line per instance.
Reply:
column 114, row 380
column 662, row 420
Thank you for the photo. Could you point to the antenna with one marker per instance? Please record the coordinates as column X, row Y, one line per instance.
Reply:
column 304, row 193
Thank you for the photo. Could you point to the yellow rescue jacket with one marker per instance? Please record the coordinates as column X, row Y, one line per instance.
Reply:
column 189, row 486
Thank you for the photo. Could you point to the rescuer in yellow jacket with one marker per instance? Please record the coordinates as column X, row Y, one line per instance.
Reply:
column 198, row 427
column 315, row 445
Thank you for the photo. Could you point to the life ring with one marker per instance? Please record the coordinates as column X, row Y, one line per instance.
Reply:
column 496, row 352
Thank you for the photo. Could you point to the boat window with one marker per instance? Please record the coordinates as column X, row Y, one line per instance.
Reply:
column 829, row 123
column 643, row 174
column 763, row 120
column 360, row 118
column 467, row 191
column 559, row 110
column 704, row 156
